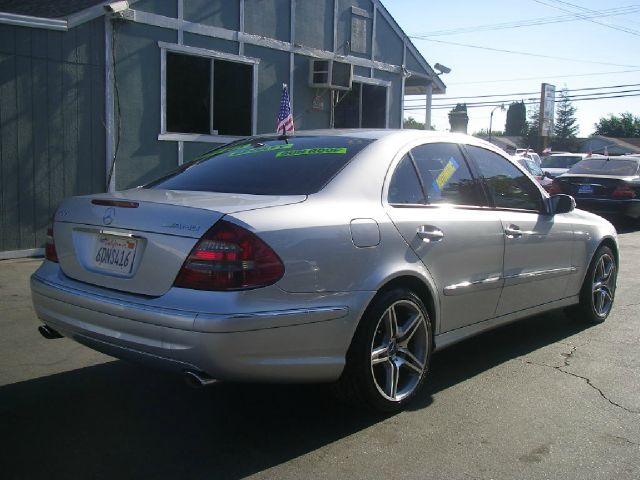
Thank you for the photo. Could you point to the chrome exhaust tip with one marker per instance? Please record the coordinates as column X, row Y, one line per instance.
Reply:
column 198, row 379
column 49, row 333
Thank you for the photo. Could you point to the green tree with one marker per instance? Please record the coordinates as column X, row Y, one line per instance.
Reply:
column 533, row 127
column 626, row 125
column 516, row 120
column 566, row 127
column 413, row 123
column 484, row 132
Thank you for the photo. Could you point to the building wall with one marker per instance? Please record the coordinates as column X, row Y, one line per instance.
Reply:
column 142, row 156
column 52, row 139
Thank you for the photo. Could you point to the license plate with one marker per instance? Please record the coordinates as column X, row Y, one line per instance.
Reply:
column 115, row 254
column 585, row 189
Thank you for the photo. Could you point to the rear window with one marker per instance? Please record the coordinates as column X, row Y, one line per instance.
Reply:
column 266, row 166
column 560, row 161
column 619, row 167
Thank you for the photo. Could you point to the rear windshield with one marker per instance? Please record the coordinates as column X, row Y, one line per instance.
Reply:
column 604, row 166
column 266, row 166
column 560, row 161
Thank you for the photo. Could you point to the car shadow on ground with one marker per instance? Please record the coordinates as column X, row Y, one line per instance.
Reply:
column 119, row 420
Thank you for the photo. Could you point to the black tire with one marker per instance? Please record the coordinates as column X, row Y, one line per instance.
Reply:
column 598, row 289
column 385, row 370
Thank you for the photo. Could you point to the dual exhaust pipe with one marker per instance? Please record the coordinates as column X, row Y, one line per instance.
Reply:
column 192, row 378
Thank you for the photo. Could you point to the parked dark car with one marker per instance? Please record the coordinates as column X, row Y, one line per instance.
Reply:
column 603, row 185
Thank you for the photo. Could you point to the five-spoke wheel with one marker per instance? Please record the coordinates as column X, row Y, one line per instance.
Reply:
column 598, row 290
column 390, row 352
column 399, row 350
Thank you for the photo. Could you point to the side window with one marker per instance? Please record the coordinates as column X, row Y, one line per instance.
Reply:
column 206, row 95
column 445, row 175
column 509, row 187
column 405, row 186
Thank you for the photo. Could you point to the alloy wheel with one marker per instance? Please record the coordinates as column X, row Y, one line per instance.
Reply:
column 399, row 350
column 604, row 285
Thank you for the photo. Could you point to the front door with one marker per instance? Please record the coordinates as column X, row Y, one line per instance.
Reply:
column 538, row 246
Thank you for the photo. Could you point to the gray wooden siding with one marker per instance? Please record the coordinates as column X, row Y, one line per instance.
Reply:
column 140, row 156
column 319, row 32
column 304, row 115
column 51, row 125
column 388, row 46
column 268, row 18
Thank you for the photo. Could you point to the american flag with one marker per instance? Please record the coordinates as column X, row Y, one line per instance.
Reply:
column 285, row 118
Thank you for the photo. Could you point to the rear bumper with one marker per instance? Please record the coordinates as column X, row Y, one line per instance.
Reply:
column 630, row 208
column 293, row 344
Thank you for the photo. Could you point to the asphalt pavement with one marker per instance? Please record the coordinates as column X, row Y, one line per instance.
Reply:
column 545, row 398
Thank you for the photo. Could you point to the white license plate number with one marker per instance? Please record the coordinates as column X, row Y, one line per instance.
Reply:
column 115, row 254
column 585, row 189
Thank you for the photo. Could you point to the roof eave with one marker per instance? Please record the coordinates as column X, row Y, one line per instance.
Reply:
column 59, row 24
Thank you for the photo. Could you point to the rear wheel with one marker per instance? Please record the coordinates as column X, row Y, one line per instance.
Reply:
column 598, row 290
column 390, row 353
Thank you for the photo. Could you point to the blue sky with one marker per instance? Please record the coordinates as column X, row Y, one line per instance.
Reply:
column 591, row 54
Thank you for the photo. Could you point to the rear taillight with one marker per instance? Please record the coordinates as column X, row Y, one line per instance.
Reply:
column 623, row 191
column 229, row 257
column 50, row 246
column 554, row 188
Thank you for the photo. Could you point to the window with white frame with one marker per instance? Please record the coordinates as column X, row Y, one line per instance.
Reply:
column 207, row 94
column 364, row 106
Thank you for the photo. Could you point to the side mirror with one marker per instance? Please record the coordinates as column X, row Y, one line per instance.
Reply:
column 561, row 204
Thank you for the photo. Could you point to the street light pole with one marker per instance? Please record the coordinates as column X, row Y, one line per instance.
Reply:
column 501, row 107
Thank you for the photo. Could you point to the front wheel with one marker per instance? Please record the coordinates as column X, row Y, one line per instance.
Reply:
column 390, row 353
column 598, row 290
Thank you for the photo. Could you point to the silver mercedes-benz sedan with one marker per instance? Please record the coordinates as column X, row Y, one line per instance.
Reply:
column 344, row 256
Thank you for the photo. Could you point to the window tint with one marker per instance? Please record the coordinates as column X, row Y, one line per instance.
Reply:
column 606, row 166
column 405, row 186
column 266, row 166
column 557, row 161
column 445, row 175
column 509, row 187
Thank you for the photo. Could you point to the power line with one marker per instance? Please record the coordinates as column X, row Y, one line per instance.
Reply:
column 528, row 54
column 531, row 22
column 528, row 102
column 440, row 98
column 586, row 17
column 546, row 77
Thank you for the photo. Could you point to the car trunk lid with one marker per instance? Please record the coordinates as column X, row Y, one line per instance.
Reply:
column 137, row 240
column 592, row 186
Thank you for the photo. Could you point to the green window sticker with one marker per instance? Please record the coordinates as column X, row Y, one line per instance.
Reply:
column 267, row 148
column 312, row 151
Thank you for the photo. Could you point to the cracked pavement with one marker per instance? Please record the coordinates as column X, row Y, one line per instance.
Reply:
column 544, row 398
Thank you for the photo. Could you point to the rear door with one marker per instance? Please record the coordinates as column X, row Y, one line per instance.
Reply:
column 538, row 246
column 440, row 210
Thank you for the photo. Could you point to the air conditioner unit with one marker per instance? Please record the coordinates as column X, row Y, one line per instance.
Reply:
column 330, row 74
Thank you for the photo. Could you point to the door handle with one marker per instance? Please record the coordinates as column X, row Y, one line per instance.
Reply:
column 513, row 231
column 429, row 233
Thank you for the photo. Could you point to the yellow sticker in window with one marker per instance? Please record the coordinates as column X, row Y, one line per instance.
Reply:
column 446, row 173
